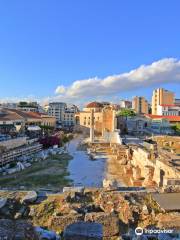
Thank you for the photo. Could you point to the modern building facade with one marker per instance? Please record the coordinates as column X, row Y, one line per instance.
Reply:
column 140, row 105
column 172, row 119
column 24, row 106
column 161, row 126
column 125, row 104
column 64, row 114
column 168, row 110
column 28, row 106
column 137, row 125
column 161, row 97
column 177, row 102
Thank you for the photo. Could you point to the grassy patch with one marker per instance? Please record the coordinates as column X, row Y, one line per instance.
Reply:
column 51, row 173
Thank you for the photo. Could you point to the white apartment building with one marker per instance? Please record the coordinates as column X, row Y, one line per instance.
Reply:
column 168, row 110
column 125, row 104
column 24, row 106
column 65, row 114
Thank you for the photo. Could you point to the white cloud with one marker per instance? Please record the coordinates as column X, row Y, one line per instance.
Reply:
column 166, row 70
column 60, row 90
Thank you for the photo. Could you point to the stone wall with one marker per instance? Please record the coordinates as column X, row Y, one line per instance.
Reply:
column 168, row 142
column 159, row 169
column 14, row 143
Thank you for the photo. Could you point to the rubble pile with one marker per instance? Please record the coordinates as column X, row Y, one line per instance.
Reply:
column 95, row 213
column 17, row 229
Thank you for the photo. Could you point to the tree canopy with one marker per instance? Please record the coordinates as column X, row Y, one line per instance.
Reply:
column 126, row 112
column 176, row 128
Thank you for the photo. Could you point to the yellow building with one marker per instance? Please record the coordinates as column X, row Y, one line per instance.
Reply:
column 140, row 105
column 48, row 120
column 104, row 118
column 161, row 97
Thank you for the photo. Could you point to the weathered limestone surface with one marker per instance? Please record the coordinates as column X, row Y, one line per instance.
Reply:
column 137, row 173
column 19, row 230
column 115, row 202
column 109, row 222
column 168, row 221
column 114, row 211
column 84, row 231
column 59, row 223
column 149, row 175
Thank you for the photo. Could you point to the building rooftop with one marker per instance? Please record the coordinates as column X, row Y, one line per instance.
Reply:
column 15, row 114
column 168, row 105
column 7, row 115
column 170, row 118
column 26, row 114
column 94, row 105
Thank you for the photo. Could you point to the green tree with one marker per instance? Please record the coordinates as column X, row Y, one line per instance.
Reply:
column 176, row 128
column 126, row 112
column 44, row 127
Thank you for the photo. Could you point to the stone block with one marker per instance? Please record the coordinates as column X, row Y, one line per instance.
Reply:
column 84, row 231
column 59, row 223
column 19, row 230
column 110, row 222
column 168, row 221
column 137, row 183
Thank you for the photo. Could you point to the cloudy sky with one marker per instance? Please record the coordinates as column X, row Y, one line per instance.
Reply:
column 78, row 51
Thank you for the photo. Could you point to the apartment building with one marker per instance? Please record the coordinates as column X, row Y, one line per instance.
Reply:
column 140, row 105
column 125, row 104
column 30, row 107
column 64, row 114
column 24, row 106
column 168, row 110
column 177, row 102
column 161, row 97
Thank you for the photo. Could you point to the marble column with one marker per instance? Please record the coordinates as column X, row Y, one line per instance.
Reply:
column 92, row 126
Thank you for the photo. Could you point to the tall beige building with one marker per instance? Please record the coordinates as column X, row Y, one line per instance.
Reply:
column 161, row 97
column 140, row 105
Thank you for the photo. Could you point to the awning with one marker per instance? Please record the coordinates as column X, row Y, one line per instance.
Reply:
column 33, row 128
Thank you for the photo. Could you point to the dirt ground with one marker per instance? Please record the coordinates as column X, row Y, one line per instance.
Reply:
column 115, row 171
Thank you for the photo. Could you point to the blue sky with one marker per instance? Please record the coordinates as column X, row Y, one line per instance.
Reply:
column 49, row 43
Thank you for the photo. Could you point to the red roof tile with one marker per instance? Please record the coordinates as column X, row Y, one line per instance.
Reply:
column 170, row 118
column 168, row 105
column 94, row 105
